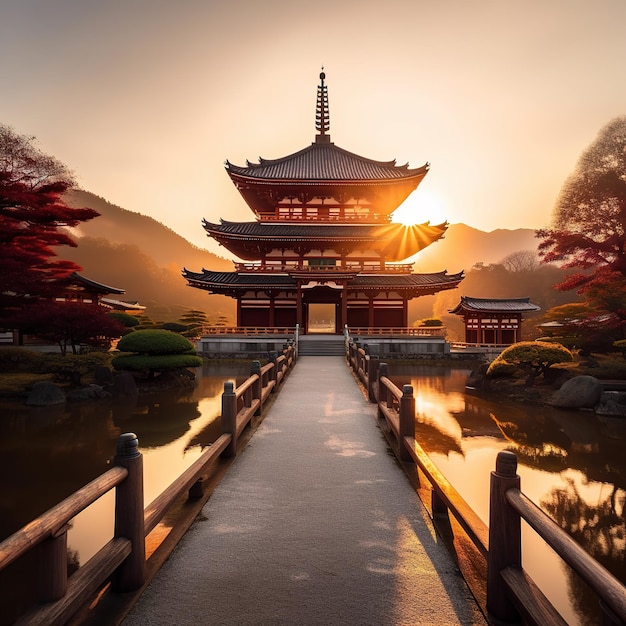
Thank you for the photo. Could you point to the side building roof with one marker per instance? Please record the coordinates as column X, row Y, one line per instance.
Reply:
column 496, row 305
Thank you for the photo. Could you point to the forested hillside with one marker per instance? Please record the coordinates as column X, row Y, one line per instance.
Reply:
column 136, row 253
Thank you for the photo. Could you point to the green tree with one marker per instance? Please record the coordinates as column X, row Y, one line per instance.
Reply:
column 155, row 351
column 129, row 321
column 533, row 356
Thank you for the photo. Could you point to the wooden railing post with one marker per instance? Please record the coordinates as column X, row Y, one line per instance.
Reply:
column 274, row 370
column 52, row 578
column 505, row 537
column 129, row 523
column 407, row 421
column 382, row 390
column 229, row 418
column 257, row 387
column 372, row 376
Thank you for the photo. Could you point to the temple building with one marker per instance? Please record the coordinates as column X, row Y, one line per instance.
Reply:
column 493, row 321
column 322, row 244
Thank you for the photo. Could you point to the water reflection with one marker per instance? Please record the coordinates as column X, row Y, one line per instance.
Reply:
column 571, row 463
column 46, row 454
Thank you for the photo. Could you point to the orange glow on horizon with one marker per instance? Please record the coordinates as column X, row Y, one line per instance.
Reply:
column 419, row 207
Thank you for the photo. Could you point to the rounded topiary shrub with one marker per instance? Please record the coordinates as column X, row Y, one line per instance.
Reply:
column 155, row 351
column 153, row 341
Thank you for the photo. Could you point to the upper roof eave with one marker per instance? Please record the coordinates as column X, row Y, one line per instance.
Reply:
column 324, row 163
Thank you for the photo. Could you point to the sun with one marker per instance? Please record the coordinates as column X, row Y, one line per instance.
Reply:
column 419, row 207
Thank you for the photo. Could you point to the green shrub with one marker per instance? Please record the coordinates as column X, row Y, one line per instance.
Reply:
column 14, row 359
column 72, row 367
column 533, row 356
column 175, row 327
column 153, row 341
column 433, row 321
column 130, row 321
column 154, row 363
column 501, row 369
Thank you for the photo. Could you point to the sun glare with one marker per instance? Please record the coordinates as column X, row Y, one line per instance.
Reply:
column 419, row 207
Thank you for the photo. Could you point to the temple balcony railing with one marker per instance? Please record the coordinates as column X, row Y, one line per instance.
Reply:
column 375, row 218
column 413, row 331
column 389, row 268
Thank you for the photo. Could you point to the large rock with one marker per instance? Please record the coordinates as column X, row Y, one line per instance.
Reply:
column 580, row 392
column 612, row 403
column 91, row 392
column 44, row 393
column 124, row 386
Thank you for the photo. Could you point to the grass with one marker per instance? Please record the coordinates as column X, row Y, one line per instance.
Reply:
column 18, row 383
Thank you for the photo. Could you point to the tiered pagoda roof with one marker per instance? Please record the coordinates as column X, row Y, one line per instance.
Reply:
column 324, row 170
column 396, row 241
column 416, row 284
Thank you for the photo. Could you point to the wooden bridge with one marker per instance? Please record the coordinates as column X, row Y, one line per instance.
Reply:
column 314, row 523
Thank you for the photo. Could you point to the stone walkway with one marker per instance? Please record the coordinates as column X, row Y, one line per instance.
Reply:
column 314, row 524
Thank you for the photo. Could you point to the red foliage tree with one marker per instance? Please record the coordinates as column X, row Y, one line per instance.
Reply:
column 32, row 211
column 589, row 229
column 70, row 324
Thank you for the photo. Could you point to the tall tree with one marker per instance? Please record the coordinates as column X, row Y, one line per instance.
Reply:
column 589, row 231
column 32, row 211
column 589, row 221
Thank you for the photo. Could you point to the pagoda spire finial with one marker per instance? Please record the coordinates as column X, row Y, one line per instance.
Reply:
column 322, row 118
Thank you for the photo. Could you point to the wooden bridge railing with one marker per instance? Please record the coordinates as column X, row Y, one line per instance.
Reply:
column 122, row 561
column 504, row 589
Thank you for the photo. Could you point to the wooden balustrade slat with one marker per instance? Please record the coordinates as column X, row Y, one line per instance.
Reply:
column 156, row 509
column 395, row 390
column 81, row 586
column 532, row 605
column 239, row 391
column 245, row 415
column 595, row 575
column 55, row 518
column 475, row 528
column 391, row 415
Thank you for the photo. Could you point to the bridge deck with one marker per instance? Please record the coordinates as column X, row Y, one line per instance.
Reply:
column 313, row 524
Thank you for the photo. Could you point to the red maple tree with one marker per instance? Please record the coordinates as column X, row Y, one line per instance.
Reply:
column 32, row 212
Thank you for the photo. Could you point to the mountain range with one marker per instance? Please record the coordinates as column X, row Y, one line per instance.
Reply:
column 143, row 256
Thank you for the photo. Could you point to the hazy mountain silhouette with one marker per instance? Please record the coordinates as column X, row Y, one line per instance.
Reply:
column 139, row 254
column 463, row 247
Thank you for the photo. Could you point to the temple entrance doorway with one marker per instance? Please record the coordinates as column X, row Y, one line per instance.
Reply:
column 321, row 318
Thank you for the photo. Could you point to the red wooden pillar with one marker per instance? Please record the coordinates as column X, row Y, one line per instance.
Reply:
column 405, row 312
column 239, row 311
column 370, row 312
column 299, row 305
column 343, row 320
column 271, row 321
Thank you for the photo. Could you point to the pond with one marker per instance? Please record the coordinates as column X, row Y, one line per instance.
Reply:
column 572, row 464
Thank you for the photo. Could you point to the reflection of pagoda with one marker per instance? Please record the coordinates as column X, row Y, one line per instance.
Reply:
column 323, row 237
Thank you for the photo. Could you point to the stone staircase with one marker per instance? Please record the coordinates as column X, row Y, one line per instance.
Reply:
column 321, row 345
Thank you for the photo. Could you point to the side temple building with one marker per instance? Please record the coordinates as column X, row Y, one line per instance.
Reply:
column 323, row 237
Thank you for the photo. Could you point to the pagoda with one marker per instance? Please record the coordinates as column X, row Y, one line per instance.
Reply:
column 323, row 242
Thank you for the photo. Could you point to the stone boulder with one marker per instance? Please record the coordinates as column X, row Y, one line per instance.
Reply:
column 612, row 403
column 44, row 393
column 91, row 392
column 580, row 392
column 124, row 386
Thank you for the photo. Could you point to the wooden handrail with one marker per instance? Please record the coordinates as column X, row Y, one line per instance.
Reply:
column 600, row 580
column 510, row 593
column 123, row 558
column 58, row 516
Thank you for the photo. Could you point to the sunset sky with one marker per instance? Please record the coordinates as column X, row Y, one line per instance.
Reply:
column 146, row 99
